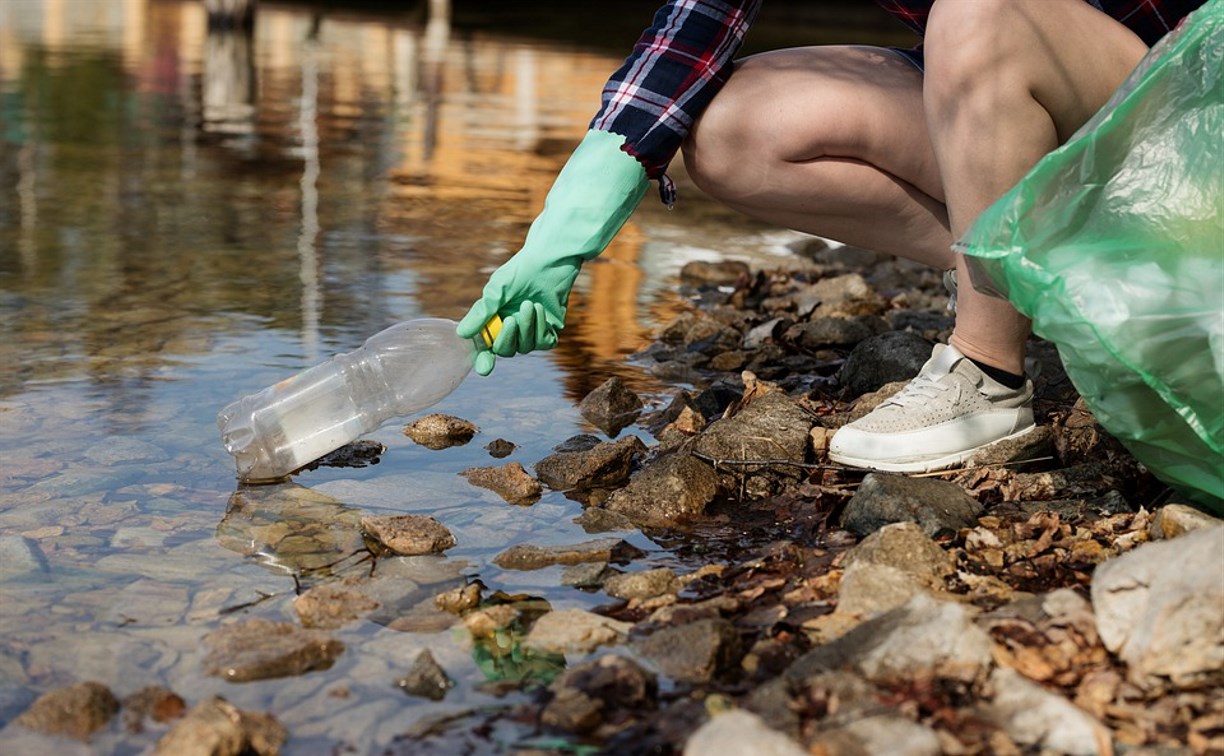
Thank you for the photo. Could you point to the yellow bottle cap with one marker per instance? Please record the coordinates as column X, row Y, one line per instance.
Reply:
column 491, row 329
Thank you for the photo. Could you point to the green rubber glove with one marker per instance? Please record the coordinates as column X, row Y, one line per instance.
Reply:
column 595, row 193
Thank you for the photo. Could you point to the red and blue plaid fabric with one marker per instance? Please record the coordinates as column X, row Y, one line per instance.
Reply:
column 684, row 57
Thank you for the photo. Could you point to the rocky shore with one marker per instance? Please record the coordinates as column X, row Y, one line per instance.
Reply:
column 1049, row 597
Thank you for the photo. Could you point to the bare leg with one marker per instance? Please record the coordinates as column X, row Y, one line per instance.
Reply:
column 831, row 141
column 1006, row 82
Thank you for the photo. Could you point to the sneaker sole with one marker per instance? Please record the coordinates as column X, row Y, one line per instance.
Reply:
column 921, row 465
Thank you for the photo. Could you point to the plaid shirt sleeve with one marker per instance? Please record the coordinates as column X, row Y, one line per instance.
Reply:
column 1149, row 19
column 675, row 69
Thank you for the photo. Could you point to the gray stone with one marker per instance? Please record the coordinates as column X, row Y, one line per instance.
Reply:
column 530, row 557
column 905, row 546
column 641, row 585
column 923, row 636
column 576, row 631
column 215, row 727
column 77, row 711
column 600, row 520
column 606, row 465
column 1033, row 716
column 740, row 733
column 1037, row 443
column 259, row 649
column 883, row 358
column 510, row 481
column 611, row 407
column 770, row 427
column 695, row 652
column 671, row 490
column 426, row 678
column 1160, row 608
column 408, row 535
column 439, row 431
column 935, row 505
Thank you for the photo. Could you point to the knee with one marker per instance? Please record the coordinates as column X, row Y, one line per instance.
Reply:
column 714, row 149
column 966, row 47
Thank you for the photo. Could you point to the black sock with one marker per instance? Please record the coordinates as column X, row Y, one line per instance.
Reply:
column 1010, row 380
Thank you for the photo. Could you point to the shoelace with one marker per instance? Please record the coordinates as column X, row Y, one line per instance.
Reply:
column 921, row 389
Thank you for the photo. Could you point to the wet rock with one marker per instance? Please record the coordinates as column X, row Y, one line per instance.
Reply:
column 77, row 711
column 587, row 575
column 530, row 557
column 117, row 450
column 437, row 431
column 714, row 273
column 641, row 585
column 1173, row 520
column 695, row 652
column 407, row 535
column 670, row 491
column 887, row 733
column 588, row 695
column 923, row 636
column 575, row 631
column 259, row 649
column 1160, row 608
column 426, row 678
column 611, row 407
column 511, row 482
column 460, row 599
column 883, row 358
column 605, row 465
column 740, row 733
column 215, row 727
column 1035, row 717
column 600, row 520
column 770, row 427
column 332, row 605
column 499, row 448
column 935, row 505
column 153, row 702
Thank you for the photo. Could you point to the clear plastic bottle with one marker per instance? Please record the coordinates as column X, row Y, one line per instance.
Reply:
column 398, row 371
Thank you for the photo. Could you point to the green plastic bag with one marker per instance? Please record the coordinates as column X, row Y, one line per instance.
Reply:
column 1114, row 246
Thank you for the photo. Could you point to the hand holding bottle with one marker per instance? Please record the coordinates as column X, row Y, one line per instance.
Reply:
column 595, row 193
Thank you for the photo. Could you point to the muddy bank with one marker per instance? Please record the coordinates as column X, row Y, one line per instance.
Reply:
column 1049, row 596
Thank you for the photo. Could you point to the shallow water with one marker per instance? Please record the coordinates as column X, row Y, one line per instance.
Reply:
column 187, row 217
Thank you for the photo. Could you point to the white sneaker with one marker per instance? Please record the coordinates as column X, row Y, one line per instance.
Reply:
column 946, row 414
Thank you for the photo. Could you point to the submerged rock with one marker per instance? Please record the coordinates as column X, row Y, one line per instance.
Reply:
column 426, row 678
column 408, row 535
column 215, row 727
column 258, row 649
column 77, row 711
column 332, row 605
column 152, row 702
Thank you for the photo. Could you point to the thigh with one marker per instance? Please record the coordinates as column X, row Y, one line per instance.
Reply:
column 811, row 103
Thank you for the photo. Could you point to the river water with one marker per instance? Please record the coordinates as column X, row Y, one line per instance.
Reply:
column 186, row 217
